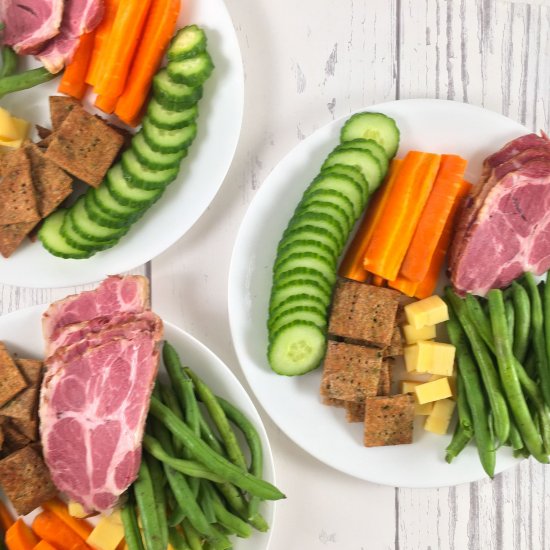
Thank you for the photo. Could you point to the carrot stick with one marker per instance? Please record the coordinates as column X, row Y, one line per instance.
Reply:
column 434, row 216
column 159, row 28
column 43, row 545
column 352, row 264
column 73, row 81
column 50, row 528
column 393, row 232
column 428, row 285
column 404, row 285
column 378, row 281
column 101, row 40
column 81, row 527
column 106, row 103
column 123, row 42
column 20, row 537
column 6, row 519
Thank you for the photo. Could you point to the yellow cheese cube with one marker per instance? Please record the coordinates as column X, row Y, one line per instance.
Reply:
column 451, row 379
column 107, row 534
column 76, row 510
column 8, row 130
column 22, row 130
column 433, row 391
column 407, row 386
column 439, row 419
column 416, row 356
column 443, row 359
column 427, row 312
column 414, row 335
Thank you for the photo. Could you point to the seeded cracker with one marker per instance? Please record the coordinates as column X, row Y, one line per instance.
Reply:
column 11, row 379
column 396, row 345
column 11, row 236
column 13, row 438
column 384, row 384
column 60, row 108
column 355, row 412
column 389, row 420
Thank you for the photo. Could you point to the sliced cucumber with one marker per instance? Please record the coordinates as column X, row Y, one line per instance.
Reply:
column 142, row 177
column 368, row 145
column 311, row 233
column 169, row 119
column 297, row 348
column 301, row 273
column 376, row 126
column 89, row 229
column 342, row 184
column 172, row 95
column 78, row 241
column 54, row 242
column 352, row 173
column 334, row 197
column 300, row 313
column 188, row 42
column 287, row 292
column 155, row 160
column 124, row 193
column 192, row 71
column 307, row 260
column 298, row 300
column 324, row 221
column 299, row 246
column 168, row 141
column 363, row 160
column 100, row 217
column 329, row 208
column 111, row 207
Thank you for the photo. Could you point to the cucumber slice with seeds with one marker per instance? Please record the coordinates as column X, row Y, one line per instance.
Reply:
column 53, row 241
column 312, row 314
column 172, row 95
column 298, row 300
column 287, row 292
column 307, row 260
column 169, row 119
column 187, row 42
column 124, row 193
column 155, row 160
column 168, row 141
column 192, row 71
column 376, row 126
column 368, row 145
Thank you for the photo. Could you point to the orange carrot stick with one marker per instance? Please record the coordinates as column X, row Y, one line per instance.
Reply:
column 434, row 216
column 123, row 42
column 81, row 527
column 428, row 285
column 106, row 103
column 6, row 519
column 393, row 232
column 404, row 285
column 50, row 528
column 73, row 81
column 20, row 537
column 101, row 40
column 378, row 281
column 43, row 545
column 159, row 28
column 352, row 264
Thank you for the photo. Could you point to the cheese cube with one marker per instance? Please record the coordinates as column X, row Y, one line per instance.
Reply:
column 407, row 386
column 416, row 356
column 76, row 510
column 431, row 357
column 439, row 419
column 427, row 312
column 8, row 130
column 451, row 379
column 433, row 391
column 414, row 335
column 22, row 130
column 107, row 534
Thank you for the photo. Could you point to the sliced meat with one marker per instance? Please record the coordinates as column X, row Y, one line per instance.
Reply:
column 79, row 17
column 29, row 24
column 115, row 295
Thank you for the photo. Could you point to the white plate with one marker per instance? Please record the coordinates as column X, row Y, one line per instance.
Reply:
column 293, row 403
column 21, row 332
column 185, row 200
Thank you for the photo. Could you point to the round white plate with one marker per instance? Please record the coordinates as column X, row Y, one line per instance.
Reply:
column 294, row 403
column 202, row 172
column 22, row 334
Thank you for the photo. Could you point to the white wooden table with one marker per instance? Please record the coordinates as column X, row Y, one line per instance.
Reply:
column 307, row 62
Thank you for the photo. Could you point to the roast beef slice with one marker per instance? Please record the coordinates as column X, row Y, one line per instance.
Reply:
column 12, row 381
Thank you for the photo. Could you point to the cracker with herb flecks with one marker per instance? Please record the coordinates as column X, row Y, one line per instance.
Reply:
column 11, row 236
column 355, row 412
column 389, row 420
column 12, row 380
column 385, row 381
column 395, row 349
column 60, row 108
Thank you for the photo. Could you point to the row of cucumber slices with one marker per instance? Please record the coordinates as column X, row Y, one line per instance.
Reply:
column 305, row 268
column 101, row 216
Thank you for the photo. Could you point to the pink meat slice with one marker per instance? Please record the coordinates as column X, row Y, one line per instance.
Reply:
column 29, row 24
column 79, row 17
column 114, row 296
column 92, row 415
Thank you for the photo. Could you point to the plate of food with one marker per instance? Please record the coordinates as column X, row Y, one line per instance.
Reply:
column 350, row 332
column 133, row 133
column 96, row 433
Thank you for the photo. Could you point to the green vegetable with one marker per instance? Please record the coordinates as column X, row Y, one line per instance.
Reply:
column 145, row 498
column 226, row 518
column 24, row 80
column 158, row 481
column 459, row 441
column 515, row 438
column 193, row 538
column 9, row 62
column 132, row 532
column 463, row 409
column 510, row 320
column 177, row 540
column 522, row 309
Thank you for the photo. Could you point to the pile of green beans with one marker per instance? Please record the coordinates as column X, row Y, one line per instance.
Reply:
column 194, row 489
column 503, row 354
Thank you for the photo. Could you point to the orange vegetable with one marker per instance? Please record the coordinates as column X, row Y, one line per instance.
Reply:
column 117, row 58
column 106, row 103
column 428, row 285
column 53, row 530
column 378, row 281
column 73, row 81
column 158, row 31
column 352, row 264
column 393, row 232
column 404, row 285
column 101, row 40
column 20, row 537
column 6, row 519
column 43, row 545
column 59, row 508
column 434, row 216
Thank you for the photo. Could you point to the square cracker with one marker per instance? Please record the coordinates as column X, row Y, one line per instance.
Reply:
column 17, row 195
column 11, row 236
column 25, row 480
column 60, row 108
column 389, row 420
column 395, row 349
column 13, row 438
column 85, row 146
column 351, row 372
column 12, row 380
column 385, row 381
column 355, row 412
column 364, row 313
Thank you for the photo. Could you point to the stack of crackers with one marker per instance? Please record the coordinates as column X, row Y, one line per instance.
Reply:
column 24, row 477
column 364, row 340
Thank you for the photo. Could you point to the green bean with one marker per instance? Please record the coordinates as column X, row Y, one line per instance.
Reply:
column 205, row 501
column 192, row 536
column 171, row 401
column 208, row 435
column 24, row 80
column 515, row 439
column 463, row 409
column 176, row 516
column 132, row 533
column 486, row 366
column 9, row 62
column 212, row 460
column 459, row 441
column 510, row 320
column 510, row 380
column 219, row 418
column 531, row 364
column 226, row 518
column 145, row 498
column 177, row 540
column 474, row 394
column 159, row 481
column 522, row 327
